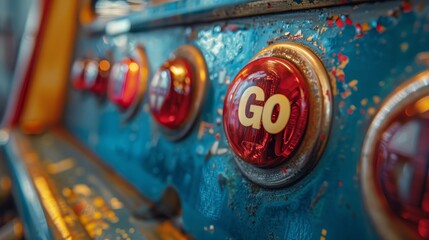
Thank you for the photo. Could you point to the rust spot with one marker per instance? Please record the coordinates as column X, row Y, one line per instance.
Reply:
column 319, row 194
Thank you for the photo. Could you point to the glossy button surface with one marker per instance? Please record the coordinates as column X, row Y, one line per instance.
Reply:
column 90, row 75
column 77, row 75
column 170, row 93
column 123, row 85
column 266, row 111
column 402, row 165
column 98, row 75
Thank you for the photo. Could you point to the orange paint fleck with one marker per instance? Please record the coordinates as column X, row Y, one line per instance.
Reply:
column 366, row 27
column 380, row 28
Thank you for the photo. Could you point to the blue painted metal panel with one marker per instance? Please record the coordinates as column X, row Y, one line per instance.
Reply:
column 368, row 50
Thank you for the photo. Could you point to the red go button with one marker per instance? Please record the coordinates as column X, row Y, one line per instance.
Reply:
column 266, row 111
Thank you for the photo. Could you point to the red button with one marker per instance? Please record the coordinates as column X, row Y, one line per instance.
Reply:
column 97, row 75
column 401, row 165
column 77, row 75
column 123, row 83
column 90, row 74
column 171, row 93
column 266, row 111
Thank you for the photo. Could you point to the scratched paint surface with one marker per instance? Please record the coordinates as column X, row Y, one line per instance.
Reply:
column 368, row 50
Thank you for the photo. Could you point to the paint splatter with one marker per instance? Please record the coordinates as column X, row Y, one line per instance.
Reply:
column 346, row 94
column 376, row 99
column 339, row 22
column 337, row 72
column 204, row 127
column 404, row 47
column 406, row 6
column 353, row 84
column 349, row 20
column 380, row 28
column 287, row 36
column 371, row 111
column 324, row 233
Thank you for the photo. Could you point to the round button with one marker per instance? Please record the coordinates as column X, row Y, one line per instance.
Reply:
column 277, row 114
column 266, row 111
column 90, row 75
column 177, row 92
column 77, row 75
column 123, row 86
column 401, row 160
column 96, row 76
column 394, row 163
column 170, row 93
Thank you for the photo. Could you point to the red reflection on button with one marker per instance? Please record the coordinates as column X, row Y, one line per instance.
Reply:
column 266, row 111
column 102, row 70
column 401, row 165
column 90, row 75
column 123, row 83
column 77, row 75
column 170, row 93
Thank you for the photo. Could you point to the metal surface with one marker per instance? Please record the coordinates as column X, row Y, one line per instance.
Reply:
column 23, row 60
column 389, row 226
column 367, row 49
column 172, row 13
column 64, row 194
column 29, row 205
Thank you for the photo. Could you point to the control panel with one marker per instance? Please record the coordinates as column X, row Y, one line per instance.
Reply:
column 264, row 126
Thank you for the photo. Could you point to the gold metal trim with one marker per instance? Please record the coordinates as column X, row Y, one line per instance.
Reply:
column 320, row 115
column 386, row 222
column 198, row 64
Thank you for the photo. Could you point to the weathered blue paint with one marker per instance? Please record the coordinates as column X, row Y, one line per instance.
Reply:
column 212, row 190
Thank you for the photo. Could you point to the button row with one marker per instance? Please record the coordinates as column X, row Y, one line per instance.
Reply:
column 267, row 113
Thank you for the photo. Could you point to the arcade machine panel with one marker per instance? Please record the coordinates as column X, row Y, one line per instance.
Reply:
column 227, row 120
